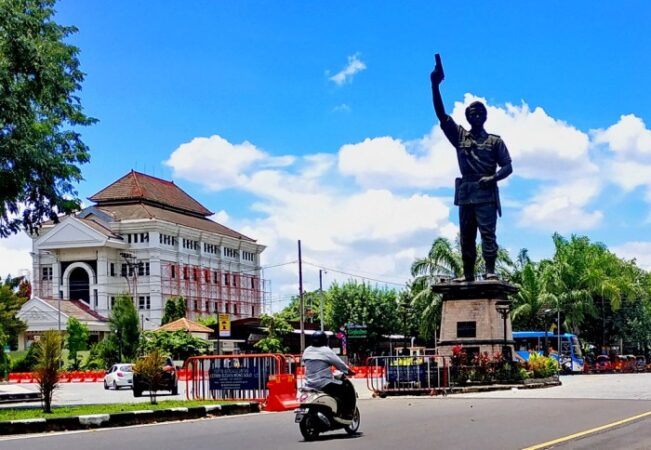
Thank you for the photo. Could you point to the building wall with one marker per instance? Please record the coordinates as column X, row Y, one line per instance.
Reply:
column 148, row 245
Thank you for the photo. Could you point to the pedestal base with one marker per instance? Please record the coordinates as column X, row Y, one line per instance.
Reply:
column 470, row 316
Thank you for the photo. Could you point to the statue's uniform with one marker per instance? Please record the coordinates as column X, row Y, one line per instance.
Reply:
column 478, row 157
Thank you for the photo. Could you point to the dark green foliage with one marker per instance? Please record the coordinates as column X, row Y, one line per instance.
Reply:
column 10, row 304
column 76, row 340
column 96, row 359
column 124, row 325
column 361, row 304
column 180, row 344
column 175, row 309
column 25, row 363
column 275, row 327
column 40, row 113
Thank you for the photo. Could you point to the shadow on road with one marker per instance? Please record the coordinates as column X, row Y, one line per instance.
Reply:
column 332, row 437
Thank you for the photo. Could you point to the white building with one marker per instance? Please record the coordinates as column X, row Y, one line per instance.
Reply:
column 147, row 237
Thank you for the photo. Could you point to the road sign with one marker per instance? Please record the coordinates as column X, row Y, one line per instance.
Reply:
column 356, row 331
column 224, row 325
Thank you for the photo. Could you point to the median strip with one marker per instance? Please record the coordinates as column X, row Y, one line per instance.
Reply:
column 587, row 432
column 119, row 419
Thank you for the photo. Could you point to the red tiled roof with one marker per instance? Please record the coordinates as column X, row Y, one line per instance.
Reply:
column 136, row 186
column 141, row 211
column 186, row 325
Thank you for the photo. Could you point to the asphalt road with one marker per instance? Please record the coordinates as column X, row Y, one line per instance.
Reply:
column 393, row 423
column 493, row 420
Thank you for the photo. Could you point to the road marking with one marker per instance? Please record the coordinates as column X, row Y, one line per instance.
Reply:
column 587, row 432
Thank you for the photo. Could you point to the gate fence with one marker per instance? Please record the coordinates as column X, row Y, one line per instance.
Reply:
column 232, row 377
column 407, row 374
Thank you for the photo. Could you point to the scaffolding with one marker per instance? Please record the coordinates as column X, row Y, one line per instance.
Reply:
column 210, row 291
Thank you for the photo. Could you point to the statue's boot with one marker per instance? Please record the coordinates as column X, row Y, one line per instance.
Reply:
column 490, row 270
column 467, row 277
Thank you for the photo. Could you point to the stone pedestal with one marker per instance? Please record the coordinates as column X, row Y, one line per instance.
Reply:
column 470, row 318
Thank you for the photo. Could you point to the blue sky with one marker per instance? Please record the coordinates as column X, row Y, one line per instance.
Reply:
column 249, row 107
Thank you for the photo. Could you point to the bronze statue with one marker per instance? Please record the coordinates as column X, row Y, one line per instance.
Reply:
column 476, row 193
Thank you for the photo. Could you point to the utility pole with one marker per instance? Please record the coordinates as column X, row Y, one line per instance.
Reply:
column 321, row 297
column 300, row 293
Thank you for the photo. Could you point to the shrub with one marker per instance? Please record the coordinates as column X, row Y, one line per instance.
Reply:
column 48, row 352
column 542, row 366
column 149, row 368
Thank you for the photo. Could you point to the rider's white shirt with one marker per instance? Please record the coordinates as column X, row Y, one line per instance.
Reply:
column 317, row 362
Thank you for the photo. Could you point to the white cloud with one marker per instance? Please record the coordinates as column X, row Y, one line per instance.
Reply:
column 15, row 256
column 628, row 138
column 541, row 147
column 354, row 66
column 218, row 163
column 342, row 108
column 640, row 251
column 563, row 207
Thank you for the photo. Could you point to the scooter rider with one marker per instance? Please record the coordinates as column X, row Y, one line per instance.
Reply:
column 318, row 358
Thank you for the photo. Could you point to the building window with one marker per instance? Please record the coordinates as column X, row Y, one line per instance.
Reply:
column 227, row 279
column 206, row 276
column 129, row 238
column 467, row 329
column 95, row 299
column 144, row 237
column 123, row 270
column 173, row 271
column 215, row 277
column 231, row 253
column 235, row 308
column 196, row 305
column 144, row 302
column 185, row 273
column 112, row 303
column 252, row 311
column 143, row 268
column 195, row 274
column 47, row 274
column 248, row 256
column 112, row 269
column 226, row 308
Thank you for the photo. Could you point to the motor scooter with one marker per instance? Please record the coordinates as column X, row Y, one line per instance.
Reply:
column 319, row 413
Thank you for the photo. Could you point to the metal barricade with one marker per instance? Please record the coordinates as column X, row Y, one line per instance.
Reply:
column 231, row 377
column 407, row 375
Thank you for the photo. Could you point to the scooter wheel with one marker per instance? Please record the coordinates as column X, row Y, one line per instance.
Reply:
column 309, row 427
column 354, row 425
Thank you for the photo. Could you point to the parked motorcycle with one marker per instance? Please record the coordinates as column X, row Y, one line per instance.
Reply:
column 319, row 413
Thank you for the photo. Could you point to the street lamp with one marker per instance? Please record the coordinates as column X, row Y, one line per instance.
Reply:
column 504, row 309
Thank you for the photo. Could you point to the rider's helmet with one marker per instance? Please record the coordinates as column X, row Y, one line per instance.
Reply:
column 319, row 339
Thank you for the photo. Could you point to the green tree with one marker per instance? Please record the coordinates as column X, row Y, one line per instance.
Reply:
column 77, row 340
column 361, row 304
column 48, row 353
column 312, row 303
column 531, row 299
column 124, row 325
column 175, row 309
column 179, row 344
column 276, row 327
column 40, row 115
column 10, row 304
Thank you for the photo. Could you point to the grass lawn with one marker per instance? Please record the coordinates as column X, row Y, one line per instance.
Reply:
column 21, row 414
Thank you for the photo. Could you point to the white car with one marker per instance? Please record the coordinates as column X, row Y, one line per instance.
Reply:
column 120, row 375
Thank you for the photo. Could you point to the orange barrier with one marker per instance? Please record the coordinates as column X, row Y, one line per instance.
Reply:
column 282, row 393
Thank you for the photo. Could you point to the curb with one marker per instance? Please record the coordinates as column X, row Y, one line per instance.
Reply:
column 122, row 419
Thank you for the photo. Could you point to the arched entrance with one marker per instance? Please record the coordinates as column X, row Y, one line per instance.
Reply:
column 79, row 285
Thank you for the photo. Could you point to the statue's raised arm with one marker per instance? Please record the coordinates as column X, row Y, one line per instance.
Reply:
column 436, row 77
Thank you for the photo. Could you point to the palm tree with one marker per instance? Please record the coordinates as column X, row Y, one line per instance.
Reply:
column 531, row 299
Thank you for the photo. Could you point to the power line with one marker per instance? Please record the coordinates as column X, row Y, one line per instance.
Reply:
column 330, row 269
